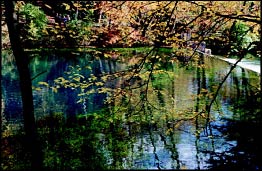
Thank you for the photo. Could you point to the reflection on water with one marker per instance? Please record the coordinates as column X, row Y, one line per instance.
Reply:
column 248, row 64
column 149, row 138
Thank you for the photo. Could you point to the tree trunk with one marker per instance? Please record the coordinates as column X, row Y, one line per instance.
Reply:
column 22, row 62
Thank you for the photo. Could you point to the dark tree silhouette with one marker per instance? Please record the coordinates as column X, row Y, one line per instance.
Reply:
column 22, row 62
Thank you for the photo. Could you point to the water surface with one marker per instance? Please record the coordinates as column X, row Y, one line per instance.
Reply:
column 171, row 131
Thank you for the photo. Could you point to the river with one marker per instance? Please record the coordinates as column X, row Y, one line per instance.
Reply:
column 170, row 128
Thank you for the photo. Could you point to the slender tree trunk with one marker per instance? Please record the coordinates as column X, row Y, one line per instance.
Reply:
column 22, row 62
column 2, row 101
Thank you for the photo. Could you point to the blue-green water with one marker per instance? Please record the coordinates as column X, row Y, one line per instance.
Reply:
column 172, row 133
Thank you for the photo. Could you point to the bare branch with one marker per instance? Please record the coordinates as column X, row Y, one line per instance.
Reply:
column 240, row 17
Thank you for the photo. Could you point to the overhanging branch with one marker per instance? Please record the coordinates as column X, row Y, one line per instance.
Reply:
column 239, row 17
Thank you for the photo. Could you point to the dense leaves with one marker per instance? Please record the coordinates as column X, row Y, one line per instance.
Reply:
column 139, row 23
column 33, row 20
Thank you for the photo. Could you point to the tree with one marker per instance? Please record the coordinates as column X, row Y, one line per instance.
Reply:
column 22, row 63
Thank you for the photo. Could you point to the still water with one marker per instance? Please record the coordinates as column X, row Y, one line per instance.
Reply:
column 169, row 129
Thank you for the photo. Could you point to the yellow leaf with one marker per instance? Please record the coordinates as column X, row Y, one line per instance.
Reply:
column 80, row 101
column 48, row 6
column 37, row 89
column 77, row 79
column 67, row 7
column 43, row 83
column 77, row 5
column 54, row 89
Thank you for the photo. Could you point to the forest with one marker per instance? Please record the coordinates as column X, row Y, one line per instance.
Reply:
column 112, row 85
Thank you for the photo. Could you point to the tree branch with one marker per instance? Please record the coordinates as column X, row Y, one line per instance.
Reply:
column 239, row 17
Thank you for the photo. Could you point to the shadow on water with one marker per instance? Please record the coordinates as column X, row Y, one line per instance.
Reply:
column 163, row 127
column 243, row 128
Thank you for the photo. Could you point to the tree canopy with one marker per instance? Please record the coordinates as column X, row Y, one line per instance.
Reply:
column 139, row 23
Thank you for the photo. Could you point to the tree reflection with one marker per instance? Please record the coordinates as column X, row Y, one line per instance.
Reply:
column 243, row 128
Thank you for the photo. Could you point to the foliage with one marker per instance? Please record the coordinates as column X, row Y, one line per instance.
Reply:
column 76, row 33
column 242, row 36
column 34, row 20
column 138, row 23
